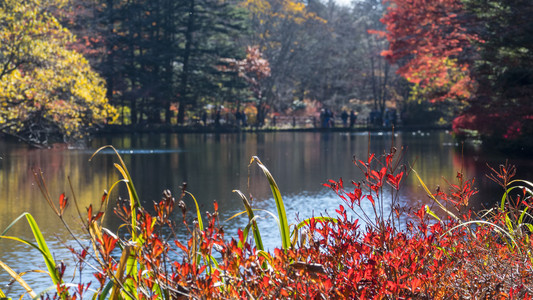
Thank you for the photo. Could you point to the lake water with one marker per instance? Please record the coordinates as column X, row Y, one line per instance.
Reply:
column 213, row 165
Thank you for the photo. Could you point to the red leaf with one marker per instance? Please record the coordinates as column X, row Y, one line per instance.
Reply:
column 63, row 203
column 181, row 246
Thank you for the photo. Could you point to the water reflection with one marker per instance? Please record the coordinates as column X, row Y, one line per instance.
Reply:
column 213, row 165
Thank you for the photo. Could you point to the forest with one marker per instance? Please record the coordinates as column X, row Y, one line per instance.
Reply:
column 71, row 67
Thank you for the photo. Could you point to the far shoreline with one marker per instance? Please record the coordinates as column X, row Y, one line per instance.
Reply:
column 163, row 128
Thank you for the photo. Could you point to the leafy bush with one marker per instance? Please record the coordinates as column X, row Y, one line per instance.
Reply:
column 385, row 252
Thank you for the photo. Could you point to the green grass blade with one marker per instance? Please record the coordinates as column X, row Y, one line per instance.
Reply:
column 47, row 255
column 522, row 181
column 235, row 215
column 124, row 172
column 41, row 244
column 266, row 255
column 246, row 231
column 106, row 290
column 251, row 217
column 213, row 264
column 523, row 214
column 432, row 213
column 18, row 279
column 284, row 225
column 198, row 213
column 47, row 259
column 433, row 197
column 320, row 219
column 134, row 197
column 508, row 223
column 13, row 223
column 520, row 187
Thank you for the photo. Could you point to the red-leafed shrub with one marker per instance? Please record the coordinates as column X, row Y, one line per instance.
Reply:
column 372, row 248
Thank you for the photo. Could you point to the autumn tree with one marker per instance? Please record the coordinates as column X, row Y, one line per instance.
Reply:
column 432, row 43
column 47, row 92
column 474, row 51
column 281, row 29
column 253, row 69
column 323, row 52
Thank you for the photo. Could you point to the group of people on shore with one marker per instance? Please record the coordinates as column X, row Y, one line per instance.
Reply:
column 327, row 119
column 387, row 118
column 376, row 118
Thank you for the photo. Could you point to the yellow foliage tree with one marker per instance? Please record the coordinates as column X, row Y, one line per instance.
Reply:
column 47, row 91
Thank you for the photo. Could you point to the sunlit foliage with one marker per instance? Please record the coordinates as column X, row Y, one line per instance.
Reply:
column 47, row 92
column 429, row 40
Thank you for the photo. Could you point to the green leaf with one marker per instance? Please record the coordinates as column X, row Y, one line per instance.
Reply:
column 284, row 225
column 432, row 213
column 41, row 244
column 198, row 213
column 252, row 220
column 47, row 255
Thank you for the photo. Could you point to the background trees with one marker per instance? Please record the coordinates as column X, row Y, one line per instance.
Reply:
column 474, row 54
column 503, row 69
column 47, row 92
column 161, row 57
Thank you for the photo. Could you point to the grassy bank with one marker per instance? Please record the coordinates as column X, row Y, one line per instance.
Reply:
column 435, row 251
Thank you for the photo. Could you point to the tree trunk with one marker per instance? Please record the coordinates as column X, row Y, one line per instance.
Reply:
column 186, row 63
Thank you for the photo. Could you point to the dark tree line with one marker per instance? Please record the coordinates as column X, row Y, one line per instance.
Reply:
column 159, row 55
column 160, row 58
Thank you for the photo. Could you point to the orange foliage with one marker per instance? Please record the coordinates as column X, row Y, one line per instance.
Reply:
column 430, row 39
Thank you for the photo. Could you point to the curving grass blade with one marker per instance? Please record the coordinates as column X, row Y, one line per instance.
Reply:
column 47, row 255
column 282, row 214
column 520, row 187
column 252, row 220
column 41, row 245
column 198, row 213
column 496, row 227
column 433, row 197
column 134, row 197
column 124, row 171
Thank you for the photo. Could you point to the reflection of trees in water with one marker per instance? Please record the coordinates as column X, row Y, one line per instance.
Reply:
column 20, row 194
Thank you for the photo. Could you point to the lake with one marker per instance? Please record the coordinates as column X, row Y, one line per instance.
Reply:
column 213, row 165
